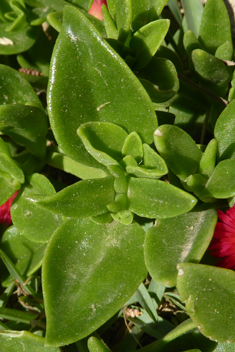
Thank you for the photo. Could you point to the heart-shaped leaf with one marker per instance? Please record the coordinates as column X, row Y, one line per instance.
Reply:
column 89, row 281
column 82, row 88
column 184, row 238
column 207, row 291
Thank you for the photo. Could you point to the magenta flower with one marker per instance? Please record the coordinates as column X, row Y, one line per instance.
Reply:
column 5, row 214
column 95, row 9
column 223, row 242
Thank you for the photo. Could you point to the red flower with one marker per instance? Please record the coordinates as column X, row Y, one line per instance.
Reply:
column 95, row 9
column 5, row 214
column 223, row 242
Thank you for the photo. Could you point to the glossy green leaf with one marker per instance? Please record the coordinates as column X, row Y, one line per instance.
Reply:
column 208, row 160
column 27, row 214
column 207, row 291
column 160, row 73
column 25, row 254
column 155, row 198
column 215, row 26
column 222, row 176
column 159, row 5
column 23, row 341
column 123, row 18
column 10, row 81
column 16, row 42
column 71, row 166
column 82, row 199
column 178, row 149
column 95, row 345
column 147, row 40
column 193, row 13
column 225, row 132
column 184, row 238
column 27, row 125
column 212, row 72
column 90, row 275
column 120, row 182
column 82, row 88
column 104, row 141
column 133, row 146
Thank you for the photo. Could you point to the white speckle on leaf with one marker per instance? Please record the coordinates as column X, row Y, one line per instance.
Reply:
column 6, row 41
column 180, row 271
column 102, row 105
column 158, row 133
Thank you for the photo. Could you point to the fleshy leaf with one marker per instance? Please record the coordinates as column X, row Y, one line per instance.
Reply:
column 103, row 141
column 91, row 275
column 225, row 132
column 207, row 290
column 22, row 341
column 212, row 72
column 123, row 18
column 154, row 198
column 186, row 238
column 82, row 88
column 160, row 73
column 215, row 26
column 82, row 199
column 18, row 41
column 208, row 160
column 133, row 146
column 10, row 81
column 95, row 345
column 27, row 215
column 27, row 125
column 178, row 149
column 147, row 40
column 222, row 176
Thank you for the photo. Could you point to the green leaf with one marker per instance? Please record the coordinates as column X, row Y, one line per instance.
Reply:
column 155, row 198
column 82, row 199
column 208, row 160
column 27, row 214
column 225, row 347
column 178, row 149
column 212, row 72
column 27, row 125
column 184, row 238
column 191, row 42
column 147, row 40
column 193, row 13
column 10, row 81
column 104, row 141
column 95, row 345
column 8, row 186
column 23, row 341
column 82, row 88
column 208, row 290
column 215, row 27
column 17, row 315
column 8, row 165
column 16, row 41
column 133, row 146
column 123, row 18
column 225, row 132
column 222, row 177
column 91, row 275
column 71, row 166
column 146, row 302
column 160, row 79
column 110, row 27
